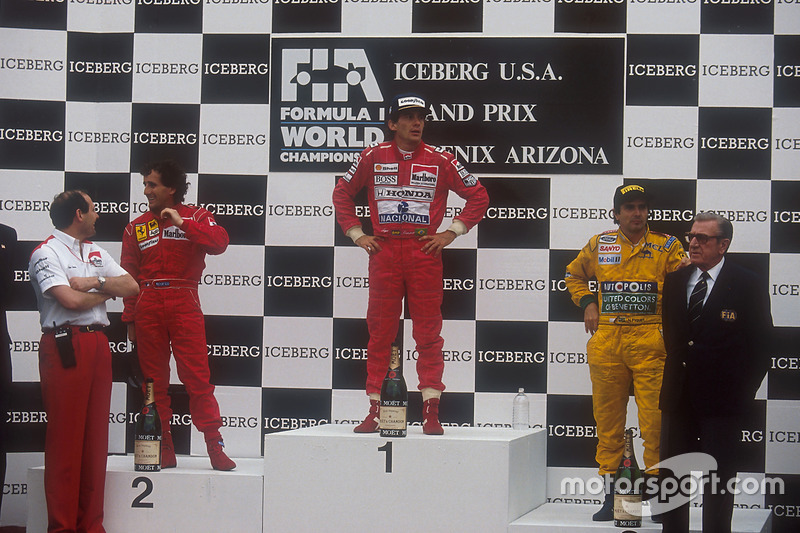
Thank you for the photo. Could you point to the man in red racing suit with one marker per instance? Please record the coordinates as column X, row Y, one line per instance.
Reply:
column 164, row 250
column 407, row 184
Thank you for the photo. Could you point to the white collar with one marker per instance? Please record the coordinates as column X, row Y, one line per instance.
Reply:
column 71, row 242
column 713, row 272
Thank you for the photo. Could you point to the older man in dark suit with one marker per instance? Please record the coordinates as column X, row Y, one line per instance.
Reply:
column 717, row 332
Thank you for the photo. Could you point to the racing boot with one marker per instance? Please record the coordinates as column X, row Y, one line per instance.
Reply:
column 606, row 512
column 219, row 461
column 372, row 421
column 430, row 417
column 168, row 459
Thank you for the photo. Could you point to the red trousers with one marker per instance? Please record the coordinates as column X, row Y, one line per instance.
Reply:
column 171, row 316
column 77, row 401
column 402, row 269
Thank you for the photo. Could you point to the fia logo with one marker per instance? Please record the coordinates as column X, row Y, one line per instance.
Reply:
column 330, row 74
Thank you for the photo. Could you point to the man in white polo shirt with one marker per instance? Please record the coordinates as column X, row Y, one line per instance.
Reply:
column 72, row 278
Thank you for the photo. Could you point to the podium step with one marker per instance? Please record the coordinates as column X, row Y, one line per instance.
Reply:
column 569, row 518
column 328, row 478
column 192, row 497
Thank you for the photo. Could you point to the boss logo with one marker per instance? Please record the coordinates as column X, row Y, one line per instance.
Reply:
column 383, row 179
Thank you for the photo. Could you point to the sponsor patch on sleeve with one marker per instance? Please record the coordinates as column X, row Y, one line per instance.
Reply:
column 351, row 172
column 466, row 178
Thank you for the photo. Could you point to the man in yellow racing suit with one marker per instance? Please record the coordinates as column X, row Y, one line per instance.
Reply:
column 624, row 319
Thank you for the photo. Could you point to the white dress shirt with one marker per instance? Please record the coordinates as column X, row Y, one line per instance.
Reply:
column 53, row 263
column 694, row 277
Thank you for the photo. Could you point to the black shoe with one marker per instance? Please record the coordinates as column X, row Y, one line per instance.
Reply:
column 606, row 512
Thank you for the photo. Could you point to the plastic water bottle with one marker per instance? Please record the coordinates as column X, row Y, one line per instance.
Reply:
column 520, row 415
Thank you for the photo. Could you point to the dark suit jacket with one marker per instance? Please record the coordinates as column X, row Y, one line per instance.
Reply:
column 717, row 369
column 8, row 243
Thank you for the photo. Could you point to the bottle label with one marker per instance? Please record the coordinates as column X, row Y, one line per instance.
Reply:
column 393, row 417
column 627, row 507
column 147, row 452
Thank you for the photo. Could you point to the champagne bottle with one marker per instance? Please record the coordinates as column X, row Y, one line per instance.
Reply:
column 628, row 488
column 394, row 399
column 147, row 440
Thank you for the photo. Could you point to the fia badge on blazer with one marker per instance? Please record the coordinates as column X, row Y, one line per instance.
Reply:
column 728, row 315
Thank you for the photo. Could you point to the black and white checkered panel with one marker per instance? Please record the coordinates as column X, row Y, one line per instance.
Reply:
column 552, row 103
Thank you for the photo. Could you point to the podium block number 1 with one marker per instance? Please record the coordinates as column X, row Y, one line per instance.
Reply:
column 387, row 448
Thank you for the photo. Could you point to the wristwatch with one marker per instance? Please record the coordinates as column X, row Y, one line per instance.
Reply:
column 102, row 281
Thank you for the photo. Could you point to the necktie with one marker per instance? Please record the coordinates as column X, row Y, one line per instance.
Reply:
column 697, row 297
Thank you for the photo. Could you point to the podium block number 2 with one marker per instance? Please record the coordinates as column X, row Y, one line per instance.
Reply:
column 139, row 502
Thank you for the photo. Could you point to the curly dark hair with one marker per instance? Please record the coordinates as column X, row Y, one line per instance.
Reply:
column 172, row 175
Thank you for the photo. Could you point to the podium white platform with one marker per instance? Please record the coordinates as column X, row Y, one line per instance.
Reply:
column 571, row 518
column 327, row 478
column 192, row 497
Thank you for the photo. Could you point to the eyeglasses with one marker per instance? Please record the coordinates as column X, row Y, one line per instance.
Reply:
column 702, row 238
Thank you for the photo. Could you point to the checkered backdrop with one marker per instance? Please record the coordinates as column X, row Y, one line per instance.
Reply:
column 552, row 103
